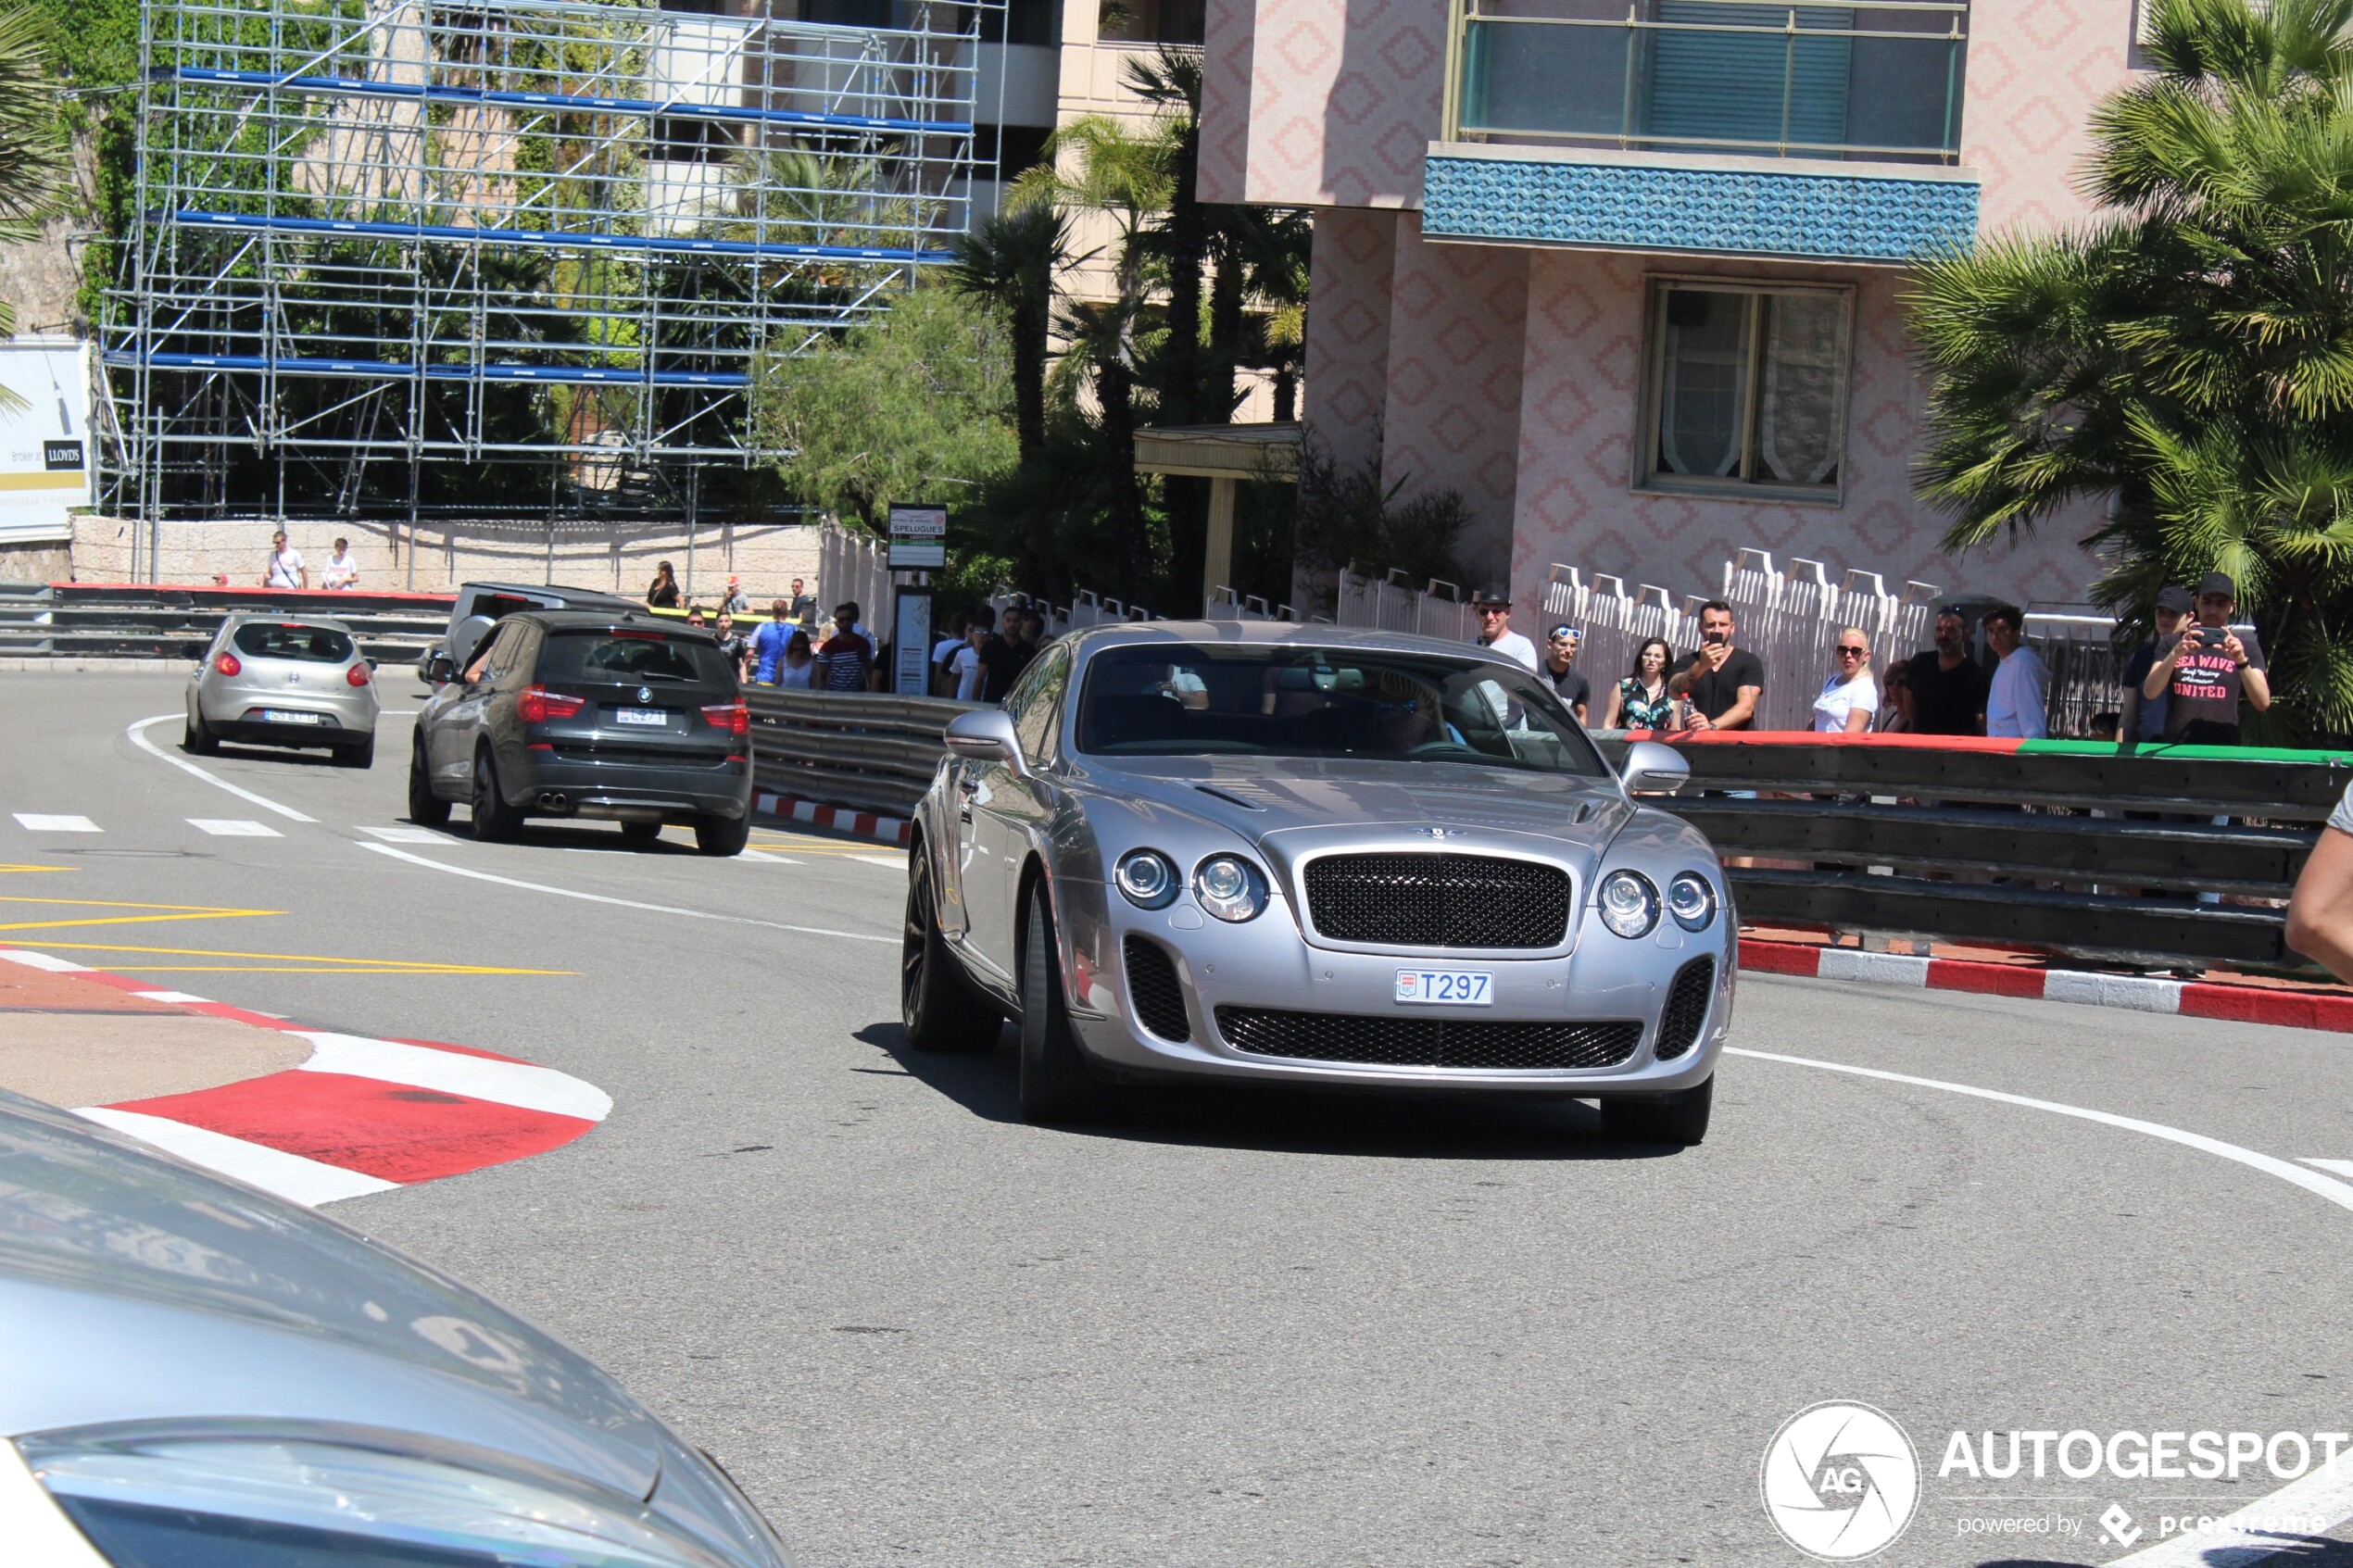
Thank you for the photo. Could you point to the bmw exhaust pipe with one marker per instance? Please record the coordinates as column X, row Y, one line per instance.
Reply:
column 554, row 800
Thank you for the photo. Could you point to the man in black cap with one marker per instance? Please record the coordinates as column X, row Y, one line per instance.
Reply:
column 1949, row 686
column 2203, row 673
column 1493, row 607
column 2143, row 720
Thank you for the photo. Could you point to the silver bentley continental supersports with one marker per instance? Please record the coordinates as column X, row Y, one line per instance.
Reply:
column 1298, row 854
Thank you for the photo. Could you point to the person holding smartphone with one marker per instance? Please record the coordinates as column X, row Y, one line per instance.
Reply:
column 2204, row 671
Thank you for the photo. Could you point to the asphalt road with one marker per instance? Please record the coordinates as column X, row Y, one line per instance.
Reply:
column 1232, row 1329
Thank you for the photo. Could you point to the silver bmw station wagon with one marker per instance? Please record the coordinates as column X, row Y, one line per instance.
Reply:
column 1288, row 853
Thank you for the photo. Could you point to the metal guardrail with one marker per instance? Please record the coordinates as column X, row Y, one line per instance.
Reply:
column 2167, row 856
column 2082, row 851
column 865, row 750
column 62, row 620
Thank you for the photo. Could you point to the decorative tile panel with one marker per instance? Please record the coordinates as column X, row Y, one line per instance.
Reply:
column 1710, row 211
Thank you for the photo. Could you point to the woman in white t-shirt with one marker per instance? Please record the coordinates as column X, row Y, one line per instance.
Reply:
column 1850, row 696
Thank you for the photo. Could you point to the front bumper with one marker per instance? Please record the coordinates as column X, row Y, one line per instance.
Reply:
column 1265, row 963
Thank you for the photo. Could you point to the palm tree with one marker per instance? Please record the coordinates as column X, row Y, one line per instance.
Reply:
column 1170, row 79
column 1012, row 259
column 1096, row 164
column 2187, row 357
column 34, row 164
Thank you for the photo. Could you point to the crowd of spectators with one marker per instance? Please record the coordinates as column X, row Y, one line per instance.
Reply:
column 2184, row 686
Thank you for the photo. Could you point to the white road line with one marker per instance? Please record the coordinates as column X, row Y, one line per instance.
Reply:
column 2257, row 1532
column 404, row 833
column 2253, row 1535
column 152, row 749
column 762, row 857
column 889, row 863
column 629, row 903
column 232, row 827
column 35, row 821
column 290, row 1176
column 2336, row 1192
column 477, row 1077
column 42, row 960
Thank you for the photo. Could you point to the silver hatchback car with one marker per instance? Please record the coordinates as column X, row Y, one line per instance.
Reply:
column 1298, row 854
column 272, row 680
column 202, row 1376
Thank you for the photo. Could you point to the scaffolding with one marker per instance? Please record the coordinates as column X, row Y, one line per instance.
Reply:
column 386, row 250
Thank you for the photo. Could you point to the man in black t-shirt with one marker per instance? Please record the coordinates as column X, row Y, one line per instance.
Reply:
column 1560, row 669
column 1949, row 686
column 2203, row 673
column 1726, row 681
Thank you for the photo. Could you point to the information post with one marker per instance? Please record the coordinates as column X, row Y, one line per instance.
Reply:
column 910, row 664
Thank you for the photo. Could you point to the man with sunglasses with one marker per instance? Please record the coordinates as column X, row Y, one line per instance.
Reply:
column 1560, row 669
column 1494, row 607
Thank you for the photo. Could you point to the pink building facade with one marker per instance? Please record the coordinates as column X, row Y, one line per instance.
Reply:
column 1631, row 279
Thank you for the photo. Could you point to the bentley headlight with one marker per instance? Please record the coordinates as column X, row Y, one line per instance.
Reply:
column 1629, row 904
column 1148, row 878
column 221, row 1499
column 1691, row 901
column 1230, row 887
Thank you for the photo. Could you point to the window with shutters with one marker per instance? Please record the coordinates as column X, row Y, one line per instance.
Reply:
column 1746, row 389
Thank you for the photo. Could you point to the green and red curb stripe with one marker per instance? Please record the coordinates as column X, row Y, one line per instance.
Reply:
column 2191, row 998
column 362, row 1115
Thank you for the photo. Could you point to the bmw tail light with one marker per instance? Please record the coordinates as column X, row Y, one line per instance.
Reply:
column 357, row 675
column 732, row 717
column 227, row 664
column 536, row 705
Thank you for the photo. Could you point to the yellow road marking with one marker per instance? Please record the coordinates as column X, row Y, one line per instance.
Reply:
column 6, row 869
column 345, row 964
column 165, row 912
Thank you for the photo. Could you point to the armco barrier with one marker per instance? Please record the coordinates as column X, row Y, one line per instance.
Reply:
column 143, row 621
column 2069, row 847
column 857, row 749
column 2066, row 846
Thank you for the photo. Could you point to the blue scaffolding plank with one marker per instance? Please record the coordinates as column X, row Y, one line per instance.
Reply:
column 391, row 369
column 261, row 222
column 352, row 86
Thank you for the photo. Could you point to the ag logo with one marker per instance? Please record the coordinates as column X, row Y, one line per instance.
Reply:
column 1841, row 1481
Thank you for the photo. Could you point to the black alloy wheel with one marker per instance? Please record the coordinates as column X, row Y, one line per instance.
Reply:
column 1055, row 1084
column 937, row 1005
column 1680, row 1119
column 425, row 809
column 494, row 819
column 723, row 836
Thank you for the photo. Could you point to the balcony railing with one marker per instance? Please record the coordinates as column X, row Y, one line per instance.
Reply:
column 1832, row 78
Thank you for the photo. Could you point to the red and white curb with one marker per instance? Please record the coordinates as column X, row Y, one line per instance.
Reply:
column 361, row 1115
column 2190, row 999
column 841, row 818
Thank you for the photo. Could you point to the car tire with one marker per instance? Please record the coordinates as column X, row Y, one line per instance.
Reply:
column 938, row 1006
column 493, row 821
column 425, row 809
column 640, row 832
column 361, row 755
column 1055, row 1084
column 723, row 836
column 197, row 737
column 1680, row 1119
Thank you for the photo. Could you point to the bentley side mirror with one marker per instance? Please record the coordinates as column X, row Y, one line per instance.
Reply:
column 986, row 734
column 1652, row 769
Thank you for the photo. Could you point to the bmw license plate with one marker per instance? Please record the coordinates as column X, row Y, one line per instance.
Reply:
column 654, row 716
column 280, row 716
column 1460, row 987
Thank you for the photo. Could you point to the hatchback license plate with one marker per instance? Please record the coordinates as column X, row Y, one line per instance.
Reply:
column 1459, row 987
column 656, row 716
column 280, row 716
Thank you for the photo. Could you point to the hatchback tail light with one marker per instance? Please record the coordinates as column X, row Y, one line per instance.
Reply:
column 732, row 717
column 536, row 705
column 357, row 675
column 227, row 664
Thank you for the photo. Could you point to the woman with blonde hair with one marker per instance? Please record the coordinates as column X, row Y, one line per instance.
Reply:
column 1850, row 696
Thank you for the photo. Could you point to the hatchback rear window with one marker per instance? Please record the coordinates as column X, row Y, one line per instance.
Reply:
column 647, row 656
column 311, row 644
